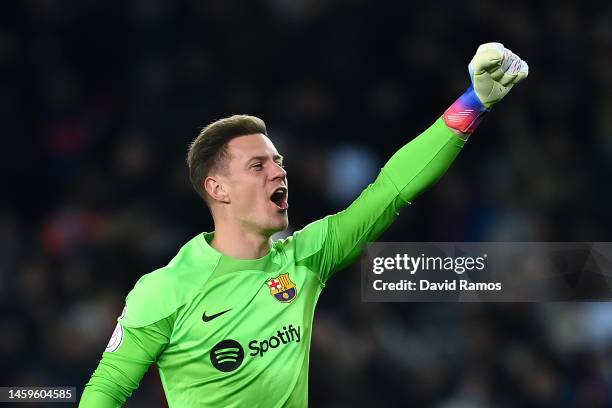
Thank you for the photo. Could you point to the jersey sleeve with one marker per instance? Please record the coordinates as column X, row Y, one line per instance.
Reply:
column 331, row 243
column 121, row 369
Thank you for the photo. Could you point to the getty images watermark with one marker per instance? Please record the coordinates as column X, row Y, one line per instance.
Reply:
column 487, row 272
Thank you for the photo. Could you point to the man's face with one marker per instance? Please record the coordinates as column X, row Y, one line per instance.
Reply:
column 256, row 184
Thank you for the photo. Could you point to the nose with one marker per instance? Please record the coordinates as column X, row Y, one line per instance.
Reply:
column 277, row 172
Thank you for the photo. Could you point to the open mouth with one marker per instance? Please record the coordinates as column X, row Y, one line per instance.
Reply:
column 279, row 197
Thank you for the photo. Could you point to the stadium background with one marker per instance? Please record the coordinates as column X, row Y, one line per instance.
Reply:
column 100, row 99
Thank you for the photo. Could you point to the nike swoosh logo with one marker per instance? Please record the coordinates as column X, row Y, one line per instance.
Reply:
column 214, row 316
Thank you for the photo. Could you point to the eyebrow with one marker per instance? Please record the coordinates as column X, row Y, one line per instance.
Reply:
column 264, row 158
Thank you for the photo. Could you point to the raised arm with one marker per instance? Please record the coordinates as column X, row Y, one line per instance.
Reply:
column 334, row 241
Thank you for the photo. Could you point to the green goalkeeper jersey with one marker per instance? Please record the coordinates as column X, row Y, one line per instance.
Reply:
column 227, row 332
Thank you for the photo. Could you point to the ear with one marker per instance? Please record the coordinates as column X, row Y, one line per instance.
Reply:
column 215, row 188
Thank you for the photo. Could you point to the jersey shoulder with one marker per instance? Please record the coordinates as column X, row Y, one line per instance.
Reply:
column 305, row 242
column 160, row 293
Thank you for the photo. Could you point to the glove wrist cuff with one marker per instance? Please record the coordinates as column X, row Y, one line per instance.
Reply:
column 466, row 113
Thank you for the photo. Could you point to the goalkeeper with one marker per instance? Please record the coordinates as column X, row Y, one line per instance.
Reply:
column 229, row 320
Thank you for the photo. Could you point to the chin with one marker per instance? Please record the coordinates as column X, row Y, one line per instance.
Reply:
column 283, row 226
column 279, row 225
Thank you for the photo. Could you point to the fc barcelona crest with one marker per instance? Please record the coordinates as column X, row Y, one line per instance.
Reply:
column 282, row 288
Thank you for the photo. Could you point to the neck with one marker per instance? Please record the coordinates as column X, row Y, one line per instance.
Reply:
column 240, row 243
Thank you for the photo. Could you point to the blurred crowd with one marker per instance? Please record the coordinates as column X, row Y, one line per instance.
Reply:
column 100, row 99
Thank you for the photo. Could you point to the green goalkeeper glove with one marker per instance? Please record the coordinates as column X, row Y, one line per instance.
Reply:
column 494, row 70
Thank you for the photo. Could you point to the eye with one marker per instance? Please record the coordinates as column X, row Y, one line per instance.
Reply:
column 281, row 165
column 257, row 166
